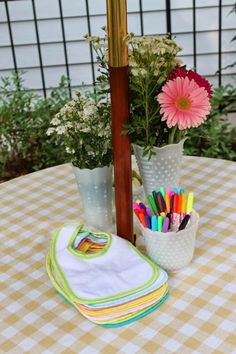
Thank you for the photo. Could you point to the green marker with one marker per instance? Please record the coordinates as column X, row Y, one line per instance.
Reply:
column 159, row 223
column 154, row 196
column 152, row 204
column 162, row 190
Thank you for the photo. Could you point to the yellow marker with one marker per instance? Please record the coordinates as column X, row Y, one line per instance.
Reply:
column 189, row 203
column 163, row 215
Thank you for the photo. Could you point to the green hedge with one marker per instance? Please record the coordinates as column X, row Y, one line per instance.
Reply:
column 24, row 120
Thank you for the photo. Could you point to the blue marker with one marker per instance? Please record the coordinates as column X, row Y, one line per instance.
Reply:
column 154, row 223
column 148, row 221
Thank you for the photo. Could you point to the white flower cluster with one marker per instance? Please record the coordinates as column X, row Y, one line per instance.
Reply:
column 151, row 55
column 98, row 42
column 84, row 128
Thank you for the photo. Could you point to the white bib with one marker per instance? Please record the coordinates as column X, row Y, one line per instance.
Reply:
column 117, row 270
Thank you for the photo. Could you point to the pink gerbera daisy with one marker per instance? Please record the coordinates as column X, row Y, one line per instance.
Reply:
column 183, row 103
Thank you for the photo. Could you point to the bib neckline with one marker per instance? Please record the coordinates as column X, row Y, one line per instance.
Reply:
column 80, row 254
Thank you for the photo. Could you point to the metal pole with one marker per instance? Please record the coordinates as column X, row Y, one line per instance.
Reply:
column 39, row 49
column 220, row 45
column 64, row 46
column 118, row 63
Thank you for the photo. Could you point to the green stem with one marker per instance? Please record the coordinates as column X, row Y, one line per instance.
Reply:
column 172, row 135
column 146, row 110
column 179, row 135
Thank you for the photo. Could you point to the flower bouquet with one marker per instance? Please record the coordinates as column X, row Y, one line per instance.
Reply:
column 166, row 99
column 83, row 127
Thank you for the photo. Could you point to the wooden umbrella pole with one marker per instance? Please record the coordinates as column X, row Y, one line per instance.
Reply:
column 118, row 63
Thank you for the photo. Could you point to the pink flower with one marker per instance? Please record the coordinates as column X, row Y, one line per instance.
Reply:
column 183, row 103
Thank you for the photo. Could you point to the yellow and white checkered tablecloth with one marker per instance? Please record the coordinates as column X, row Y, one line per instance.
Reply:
column 198, row 317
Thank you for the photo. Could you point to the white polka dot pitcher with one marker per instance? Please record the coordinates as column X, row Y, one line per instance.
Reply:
column 163, row 168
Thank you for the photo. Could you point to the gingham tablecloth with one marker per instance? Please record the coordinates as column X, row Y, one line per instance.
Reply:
column 198, row 317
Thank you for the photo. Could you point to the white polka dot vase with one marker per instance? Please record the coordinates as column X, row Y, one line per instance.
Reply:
column 172, row 250
column 95, row 189
column 163, row 168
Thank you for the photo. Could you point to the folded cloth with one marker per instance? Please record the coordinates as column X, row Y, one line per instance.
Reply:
column 104, row 276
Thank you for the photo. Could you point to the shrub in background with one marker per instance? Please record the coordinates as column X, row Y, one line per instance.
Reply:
column 216, row 138
column 24, row 120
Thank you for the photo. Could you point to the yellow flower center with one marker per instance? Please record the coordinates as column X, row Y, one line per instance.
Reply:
column 183, row 103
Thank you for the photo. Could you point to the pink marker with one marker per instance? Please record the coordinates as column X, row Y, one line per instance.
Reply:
column 136, row 206
column 168, row 190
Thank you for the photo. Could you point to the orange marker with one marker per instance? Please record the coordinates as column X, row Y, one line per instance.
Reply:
column 175, row 203
column 167, row 202
column 142, row 220
column 179, row 203
column 137, row 213
column 183, row 203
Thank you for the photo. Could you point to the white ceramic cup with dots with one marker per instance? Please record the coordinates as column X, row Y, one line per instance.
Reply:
column 172, row 250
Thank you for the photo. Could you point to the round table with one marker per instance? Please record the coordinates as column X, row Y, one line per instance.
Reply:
column 198, row 317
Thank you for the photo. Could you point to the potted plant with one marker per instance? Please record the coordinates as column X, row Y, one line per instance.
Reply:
column 166, row 99
column 83, row 127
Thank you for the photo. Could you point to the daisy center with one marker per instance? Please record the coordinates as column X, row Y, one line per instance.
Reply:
column 183, row 103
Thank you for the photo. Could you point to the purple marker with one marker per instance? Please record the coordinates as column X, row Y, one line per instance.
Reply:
column 142, row 206
column 149, row 212
column 165, row 226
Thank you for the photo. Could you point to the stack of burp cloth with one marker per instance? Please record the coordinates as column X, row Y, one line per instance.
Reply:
column 104, row 276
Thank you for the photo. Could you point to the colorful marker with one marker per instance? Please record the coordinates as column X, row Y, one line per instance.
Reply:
column 189, row 207
column 148, row 221
column 154, row 196
column 165, row 226
column 154, row 222
column 162, row 190
column 183, row 206
column 159, row 223
column 149, row 211
column 161, row 203
column 179, row 203
column 183, row 203
column 167, row 203
column 137, row 214
column 169, row 210
column 143, row 220
column 175, row 215
column 184, row 222
column 152, row 204
column 142, row 206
